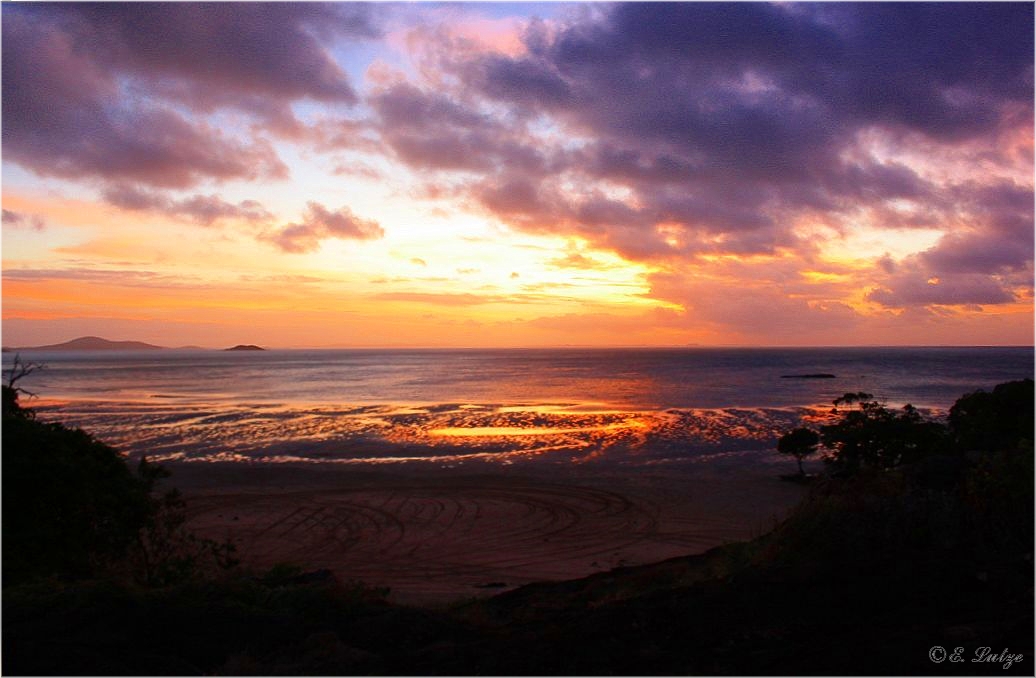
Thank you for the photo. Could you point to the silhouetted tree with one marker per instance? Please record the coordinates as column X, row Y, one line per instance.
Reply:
column 799, row 443
column 873, row 436
column 999, row 420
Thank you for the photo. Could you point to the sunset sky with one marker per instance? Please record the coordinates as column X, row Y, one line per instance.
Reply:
column 505, row 174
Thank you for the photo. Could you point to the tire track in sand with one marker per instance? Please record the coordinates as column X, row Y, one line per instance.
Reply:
column 450, row 536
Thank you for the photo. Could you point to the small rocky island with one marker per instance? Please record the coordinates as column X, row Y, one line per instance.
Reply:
column 245, row 347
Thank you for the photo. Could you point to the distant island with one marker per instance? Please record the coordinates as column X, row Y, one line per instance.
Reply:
column 100, row 344
column 819, row 375
column 94, row 344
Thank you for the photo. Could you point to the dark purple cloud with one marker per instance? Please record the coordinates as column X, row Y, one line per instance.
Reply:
column 726, row 76
column 723, row 122
column 427, row 130
column 99, row 90
column 998, row 237
column 770, row 91
column 978, row 252
column 320, row 223
column 985, row 258
column 717, row 128
column 220, row 51
column 201, row 209
column 911, row 289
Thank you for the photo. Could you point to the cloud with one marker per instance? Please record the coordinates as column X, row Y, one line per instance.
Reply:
column 720, row 125
column 999, row 237
column 686, row 136
column 986, row 260
column 19, row 220
column 320, row 223
column 911, row 289
column 129, row 278
column 683, row 134
column 201, row 209
column 427, row 130
column 100, row 90
column 442, row 299
column 768, row 308
column 577, row 260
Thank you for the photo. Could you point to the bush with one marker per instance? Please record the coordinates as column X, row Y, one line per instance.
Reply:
column 74, row 509
column 71, row 506
column 994, row 421
column 904, row 488
column 872, row 436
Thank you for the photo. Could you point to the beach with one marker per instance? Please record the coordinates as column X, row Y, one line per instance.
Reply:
column 435, row 536
column 446, row 475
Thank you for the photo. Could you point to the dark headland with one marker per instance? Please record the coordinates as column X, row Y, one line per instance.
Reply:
column 94, row 344
column 245, row 347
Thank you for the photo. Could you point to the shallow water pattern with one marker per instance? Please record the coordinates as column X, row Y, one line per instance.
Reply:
column 500, row 406
column 443, row 434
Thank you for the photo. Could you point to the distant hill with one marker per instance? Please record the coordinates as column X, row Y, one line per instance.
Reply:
column 94, row 344
column 245, row 347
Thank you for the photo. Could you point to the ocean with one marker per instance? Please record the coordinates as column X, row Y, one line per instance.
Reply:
column 457, row 407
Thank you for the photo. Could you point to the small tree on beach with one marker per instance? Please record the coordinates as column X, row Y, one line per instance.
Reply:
column 799, row 443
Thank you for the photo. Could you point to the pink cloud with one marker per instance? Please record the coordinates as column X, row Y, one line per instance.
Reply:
column 20, row 220
column 320, row 223
column 99, row 91
column 201, row 209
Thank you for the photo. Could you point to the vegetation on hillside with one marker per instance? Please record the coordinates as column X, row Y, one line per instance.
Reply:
column 74, row 509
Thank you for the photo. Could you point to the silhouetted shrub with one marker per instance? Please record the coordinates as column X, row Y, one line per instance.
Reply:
column 994, row 421
column 71, row 506
column 902, row 485
column 73, row 509
column 873, row 436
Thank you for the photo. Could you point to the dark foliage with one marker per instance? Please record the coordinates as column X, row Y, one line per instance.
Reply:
column 994, row 421
column 73, row 509
column 873, row 436
column 800, row 443
column 71, row 505
column 238, row 624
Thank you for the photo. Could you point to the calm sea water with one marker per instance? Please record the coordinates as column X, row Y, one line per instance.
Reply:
column 449, row 406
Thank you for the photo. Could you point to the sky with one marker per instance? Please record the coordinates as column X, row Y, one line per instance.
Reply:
column 498, row 174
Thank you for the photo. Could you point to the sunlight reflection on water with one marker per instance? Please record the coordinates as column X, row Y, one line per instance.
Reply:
column 497, row 406
column 434, row 434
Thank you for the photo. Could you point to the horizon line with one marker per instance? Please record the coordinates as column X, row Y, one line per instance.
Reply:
column 9, row 349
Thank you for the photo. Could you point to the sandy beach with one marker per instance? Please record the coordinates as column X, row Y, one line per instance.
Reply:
column 437, row 535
